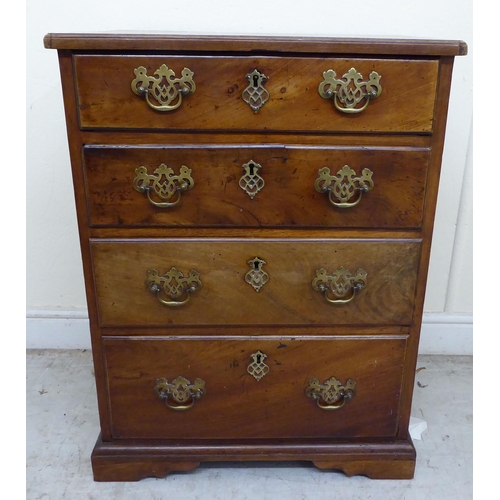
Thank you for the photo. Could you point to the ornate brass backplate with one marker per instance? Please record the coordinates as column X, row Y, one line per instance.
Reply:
column 341, row 284
column 331, row 395
column 251, row 182
column 258, row 368
column 173, row 285
column 256, row 276
column 180, row 394
column 344, row 189
column 255, row 95
column 163, row 91
column 349, row 91
column 164, row 183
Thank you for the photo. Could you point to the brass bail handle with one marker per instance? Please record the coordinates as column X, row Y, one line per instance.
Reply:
column 350, row 90
column 164, row 183
column 163, row 91
column 341, row 286
column 331, row 395
column 173, row 285
column 344, row 189
column 180, row 394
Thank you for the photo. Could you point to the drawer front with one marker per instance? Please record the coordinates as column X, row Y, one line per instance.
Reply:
column 106, row 99
column 242, row 395
column 255, row 282
column 255, row 186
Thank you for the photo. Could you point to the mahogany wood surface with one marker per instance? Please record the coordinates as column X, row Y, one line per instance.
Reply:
column 217, row 228
column 288, row 197
column 273, row 407
column 131, row 460
column 106, row 100
column 226, row 298
column 442, row 100
column 74, row 142
column 215, row 43
column 246, row 138
column 250, row 232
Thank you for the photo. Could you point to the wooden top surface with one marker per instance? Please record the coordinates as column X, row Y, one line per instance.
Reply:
column 299, row 44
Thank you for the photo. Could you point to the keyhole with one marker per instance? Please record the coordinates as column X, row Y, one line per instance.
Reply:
column 259, row 357
column 256, row 265
column 252, row 166
column 255, row 81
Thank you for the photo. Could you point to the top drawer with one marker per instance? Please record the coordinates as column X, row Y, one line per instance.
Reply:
column 222, row 85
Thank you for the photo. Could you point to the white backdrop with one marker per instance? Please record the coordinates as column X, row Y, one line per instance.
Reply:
column 54, row 270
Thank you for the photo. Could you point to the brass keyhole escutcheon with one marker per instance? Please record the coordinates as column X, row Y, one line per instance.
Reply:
column 258, row 368
column 251, row 182
column 255, row 95
column 256, row 277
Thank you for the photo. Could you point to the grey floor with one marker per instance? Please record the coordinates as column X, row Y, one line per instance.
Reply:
column 62, row 427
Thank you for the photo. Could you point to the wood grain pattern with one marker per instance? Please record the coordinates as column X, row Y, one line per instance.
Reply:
column 249, row 331
column 442, row 100
column 274, row 407
column 106, row 100
column 167, row 42
column 288, row 198
column 240, row 138
column 373, row 339
column 75, row 144
column 374, row 468
column 225, row 298
column 131, row 460
column 250, row 232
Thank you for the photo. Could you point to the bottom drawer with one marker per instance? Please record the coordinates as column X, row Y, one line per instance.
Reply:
column 254, row 388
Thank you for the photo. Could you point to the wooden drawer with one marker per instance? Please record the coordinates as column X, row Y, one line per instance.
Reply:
column 225, row 296
column 254, row 186
column 236, row 404
column 106, row 100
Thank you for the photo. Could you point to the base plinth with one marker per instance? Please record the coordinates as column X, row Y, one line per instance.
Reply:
column 134, row 460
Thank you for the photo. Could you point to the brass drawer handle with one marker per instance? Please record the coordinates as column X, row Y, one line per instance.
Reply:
column 348, row 92
column 331, row 395
column 255, row 95
column 341, row 285
column 344, row 187
column 173, row 285
column 163, row 88
column 180, row 394
column 164, row 184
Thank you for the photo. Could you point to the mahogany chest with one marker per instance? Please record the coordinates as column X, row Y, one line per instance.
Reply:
column 255, row 217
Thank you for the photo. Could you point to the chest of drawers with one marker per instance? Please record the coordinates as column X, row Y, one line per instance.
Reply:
column 255, row 218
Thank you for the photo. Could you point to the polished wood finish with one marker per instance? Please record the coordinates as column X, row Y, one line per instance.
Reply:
column 131, row 460
column 273, row 407
column 179, row 43
column 247, row 138
column 75, row 142
column 216, row 229
column 106, row 100
column 442, row 101
column 288, row 197
column 225, row 298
